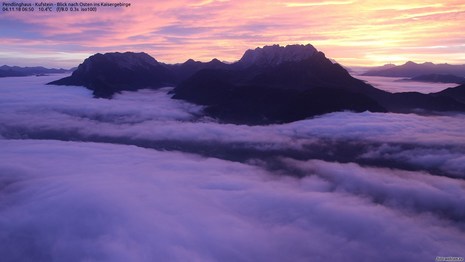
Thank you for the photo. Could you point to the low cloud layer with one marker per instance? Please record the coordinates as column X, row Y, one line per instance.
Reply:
column 85, row 201
column 398, row 84
column 152, row 119
column 143, row 177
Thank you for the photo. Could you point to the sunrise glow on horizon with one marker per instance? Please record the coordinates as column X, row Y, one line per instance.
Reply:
column 352, row 32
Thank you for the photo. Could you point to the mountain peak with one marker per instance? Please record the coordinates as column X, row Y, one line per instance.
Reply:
column 128, row 60
column 110, row 73
column 411, row 69
column 276, row 54
column 410, row 63
column 190, row 61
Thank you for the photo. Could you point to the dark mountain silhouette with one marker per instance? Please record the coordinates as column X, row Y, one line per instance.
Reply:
column 384, row 67
column 357, row 70
column 411, row 69
column 273, row 84
column 109, row 73
column 274, row 55
column 455, row 93
column 437, row 78
column 9, row 71
column 414, row 102
column 281, row 88
column 190, row 67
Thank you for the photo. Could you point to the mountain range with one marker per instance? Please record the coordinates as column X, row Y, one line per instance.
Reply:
column 9, row 71
column 411, row 69
column 106, row 74
column 273, row 84
column 437, row 78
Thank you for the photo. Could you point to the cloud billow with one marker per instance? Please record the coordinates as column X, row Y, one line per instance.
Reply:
column 78, row 201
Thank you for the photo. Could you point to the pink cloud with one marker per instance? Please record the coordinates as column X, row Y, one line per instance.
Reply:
column 177, row 30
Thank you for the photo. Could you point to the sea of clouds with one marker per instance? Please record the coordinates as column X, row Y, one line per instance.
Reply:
column 143, row 177
column 400, row 84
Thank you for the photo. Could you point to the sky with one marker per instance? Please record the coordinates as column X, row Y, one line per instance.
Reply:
column 352, row 32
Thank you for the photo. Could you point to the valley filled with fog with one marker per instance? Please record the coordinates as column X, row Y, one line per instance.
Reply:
column 143, row 177
column 399, row 84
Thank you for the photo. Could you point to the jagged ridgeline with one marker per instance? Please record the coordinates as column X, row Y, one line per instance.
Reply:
column 273, row 84
column 9, row 71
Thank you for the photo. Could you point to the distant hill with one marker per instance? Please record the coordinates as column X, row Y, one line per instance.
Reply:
column 456, row 93
column 411, row 69
column 10, row 71
column 437, row 78
column 363, row 69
